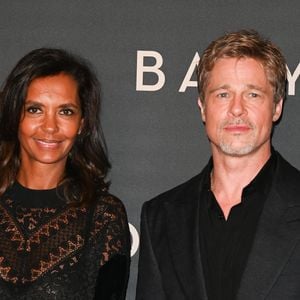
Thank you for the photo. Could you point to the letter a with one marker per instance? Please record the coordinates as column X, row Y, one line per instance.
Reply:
column 187, row 79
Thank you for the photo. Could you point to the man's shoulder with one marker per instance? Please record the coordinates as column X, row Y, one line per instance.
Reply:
column 288, row 176
column 176, row 194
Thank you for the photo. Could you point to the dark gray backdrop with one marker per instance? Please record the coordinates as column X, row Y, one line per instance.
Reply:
column 155, row 138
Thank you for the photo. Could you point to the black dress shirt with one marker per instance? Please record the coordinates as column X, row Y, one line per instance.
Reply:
column 225, row 244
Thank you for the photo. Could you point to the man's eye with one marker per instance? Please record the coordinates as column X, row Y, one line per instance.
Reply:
column 255, row 95
column 223, row 95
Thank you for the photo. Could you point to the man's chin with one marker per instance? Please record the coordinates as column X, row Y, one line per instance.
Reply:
column 237, row 151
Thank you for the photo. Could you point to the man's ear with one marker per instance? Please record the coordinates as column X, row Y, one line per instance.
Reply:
column 202, row 109
column 277, row 111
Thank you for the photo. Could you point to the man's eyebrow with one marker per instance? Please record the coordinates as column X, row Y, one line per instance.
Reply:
column 255, row 87
column 221, row 87
column 227, row 86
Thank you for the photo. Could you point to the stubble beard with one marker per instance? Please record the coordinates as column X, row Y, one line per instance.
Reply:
column 237, row 144
column 231, row 150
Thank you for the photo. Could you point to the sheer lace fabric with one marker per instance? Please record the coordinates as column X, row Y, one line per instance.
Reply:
column 51, row 251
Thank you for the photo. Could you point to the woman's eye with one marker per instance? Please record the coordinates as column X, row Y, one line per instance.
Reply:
column 33, row 110
column 67, row 112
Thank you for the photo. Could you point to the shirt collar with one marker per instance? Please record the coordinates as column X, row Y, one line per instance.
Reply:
column 263, row 180
column 260, row 184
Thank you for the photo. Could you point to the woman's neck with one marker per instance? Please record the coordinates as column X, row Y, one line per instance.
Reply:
column 40, row 176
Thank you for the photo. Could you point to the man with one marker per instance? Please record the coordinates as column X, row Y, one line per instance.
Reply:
column 233, row 231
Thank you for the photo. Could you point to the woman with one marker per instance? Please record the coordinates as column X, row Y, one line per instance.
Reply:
column 63, row 236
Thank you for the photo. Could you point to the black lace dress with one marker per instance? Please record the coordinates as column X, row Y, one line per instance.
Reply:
column 51, row 251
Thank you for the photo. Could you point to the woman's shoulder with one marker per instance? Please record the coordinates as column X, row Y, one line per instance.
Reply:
column 110, row 207
column 110, row 201
column 109, row 198
column 110, row 224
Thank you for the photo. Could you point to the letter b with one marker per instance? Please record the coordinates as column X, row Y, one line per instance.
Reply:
column 141, row 69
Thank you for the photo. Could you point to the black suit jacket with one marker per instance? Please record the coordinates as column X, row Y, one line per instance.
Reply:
column 170, row 259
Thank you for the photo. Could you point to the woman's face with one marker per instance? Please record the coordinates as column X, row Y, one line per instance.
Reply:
column 51, row 120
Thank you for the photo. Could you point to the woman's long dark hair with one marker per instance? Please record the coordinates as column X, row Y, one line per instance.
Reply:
column 87, row 164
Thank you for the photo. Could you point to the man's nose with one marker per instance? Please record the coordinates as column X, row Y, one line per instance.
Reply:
column 237, row 106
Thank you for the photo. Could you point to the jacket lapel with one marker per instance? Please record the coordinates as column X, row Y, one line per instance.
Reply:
column 272, row 247
column 183, row 236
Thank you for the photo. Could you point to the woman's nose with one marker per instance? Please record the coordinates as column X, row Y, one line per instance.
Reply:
column 50, row 123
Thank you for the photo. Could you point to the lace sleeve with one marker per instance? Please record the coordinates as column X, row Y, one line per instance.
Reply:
column 112, row 232
column 112, row 279
column 111, row 227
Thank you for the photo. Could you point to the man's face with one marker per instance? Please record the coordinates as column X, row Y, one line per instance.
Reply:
column 238, row 109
